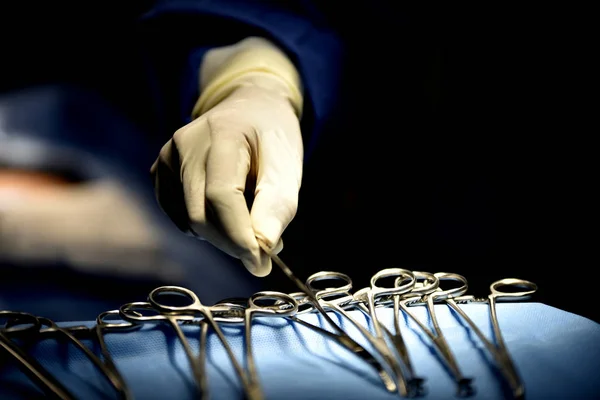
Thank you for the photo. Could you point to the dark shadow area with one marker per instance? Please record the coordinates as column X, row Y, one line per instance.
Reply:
column 65, row 294
column 445, row 155
column 448, row 152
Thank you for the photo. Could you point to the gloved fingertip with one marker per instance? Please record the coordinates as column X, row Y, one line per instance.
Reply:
column 269, row 243
column 278, row 247
column 260, row 269
column 266, row 266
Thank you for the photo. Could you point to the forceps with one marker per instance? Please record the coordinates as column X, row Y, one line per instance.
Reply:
column 317, row 303
column 305, row 306
column 283, row 306
column 48, row 327
column 303, row 288
column 436, row 335
column 377, row 341
column 498, row 350
column 27, row 324
column 254, row 309
column 188, row 313
column 424, row 283
column 103, row 324
column 404, row 282
column 107, row 367
column 142, row 312
column 96, row 333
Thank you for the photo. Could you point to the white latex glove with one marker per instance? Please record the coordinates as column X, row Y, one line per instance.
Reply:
column 246, row 137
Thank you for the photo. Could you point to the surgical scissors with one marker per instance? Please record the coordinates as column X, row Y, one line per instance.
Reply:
column 339, row 305
column 21, row 323
column 435, row 334
column 499, row 350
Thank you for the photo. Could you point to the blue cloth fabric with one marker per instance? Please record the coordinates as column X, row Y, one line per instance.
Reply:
column 555, row 352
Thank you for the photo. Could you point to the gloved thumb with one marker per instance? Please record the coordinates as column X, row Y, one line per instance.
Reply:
column 270, row 250
column 265, row 257
column 271, row 213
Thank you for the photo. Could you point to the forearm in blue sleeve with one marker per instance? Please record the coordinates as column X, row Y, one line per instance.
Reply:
column 176, row 35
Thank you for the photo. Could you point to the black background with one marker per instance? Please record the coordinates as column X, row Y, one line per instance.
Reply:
column 464, row 149
column 461, row 146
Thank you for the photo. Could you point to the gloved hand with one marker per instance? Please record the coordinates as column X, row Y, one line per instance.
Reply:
column 246, row 137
